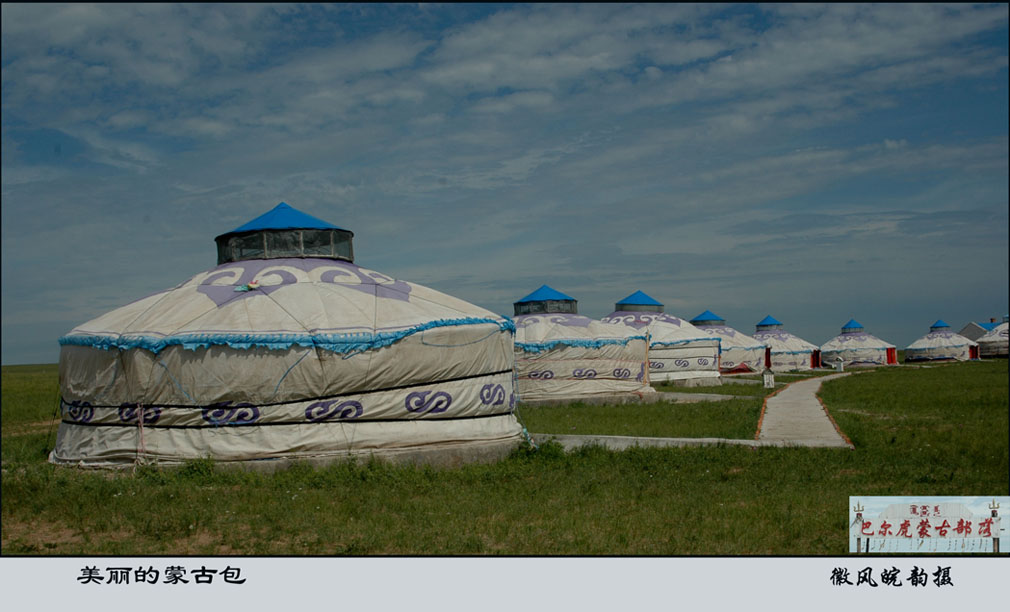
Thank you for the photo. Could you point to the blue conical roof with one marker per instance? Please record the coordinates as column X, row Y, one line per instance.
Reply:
column 545, row 293
column 639, row 299
column 708, row 315
column 769, row 320
column 283, row 216
column 852, row 324
column 939, row 323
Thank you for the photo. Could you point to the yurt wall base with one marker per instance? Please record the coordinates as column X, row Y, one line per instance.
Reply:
column 856, row 357
column 738, row 360
column 686, row 379
column 790, row 362
column 946, row 353
column 427, row 441
column 572, row 390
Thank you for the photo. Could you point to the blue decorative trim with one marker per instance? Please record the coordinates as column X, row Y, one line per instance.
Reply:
column 537, row 347
column 344, row 344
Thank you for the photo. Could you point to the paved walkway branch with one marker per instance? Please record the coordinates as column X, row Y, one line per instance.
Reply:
column 794, row 416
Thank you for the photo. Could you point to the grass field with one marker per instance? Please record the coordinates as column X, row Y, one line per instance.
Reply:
column 921, row 431
column 727, row 419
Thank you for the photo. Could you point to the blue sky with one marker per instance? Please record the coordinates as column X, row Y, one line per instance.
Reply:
column 814, row 163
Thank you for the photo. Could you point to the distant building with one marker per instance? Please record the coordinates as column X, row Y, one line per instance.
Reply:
column 994, row 343
column 974, row 331
column 854, row 346
column 678, row 351
column 738, row 352
column 786, row 352
column 941, row 344
column 560, row 354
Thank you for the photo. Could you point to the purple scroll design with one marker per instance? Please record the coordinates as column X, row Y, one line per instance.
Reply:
column 622, row 373
column 79, row 411
column 418, row 401
column 526, row 321
column 570, row 320
column 492, row 395
column 584, row 373
column 681, row 363
column 541, row 375
column 512, row 400
column 728, row 364
column 656, row 365
column 372, row 283
column 773, row 334
column 702, row 361
column 630, row 320
column 326, row 410
column 223, row 413
column 641, row 373
column 130, row 413
column 667, row 318
column 241, row 273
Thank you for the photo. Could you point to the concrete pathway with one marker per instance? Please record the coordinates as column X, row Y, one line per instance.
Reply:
column 792, row 417
column 796, row 416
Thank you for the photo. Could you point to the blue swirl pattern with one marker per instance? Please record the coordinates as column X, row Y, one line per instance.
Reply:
column 130, row 413
column 418, row 401
column 326, row 410
column 79, row 411
column 223, row 413
column 492, row 395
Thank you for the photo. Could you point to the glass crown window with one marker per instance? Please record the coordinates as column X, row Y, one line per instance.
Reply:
column 640, row 307
column 547, row 306
column 273, row 244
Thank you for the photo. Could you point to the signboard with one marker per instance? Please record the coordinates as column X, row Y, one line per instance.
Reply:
column 924, row 526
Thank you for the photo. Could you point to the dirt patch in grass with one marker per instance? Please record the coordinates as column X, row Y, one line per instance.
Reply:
column 54, row 538
column 39, row 536
column 24, row 429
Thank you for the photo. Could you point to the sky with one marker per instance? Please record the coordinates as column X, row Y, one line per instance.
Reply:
column 814, row 163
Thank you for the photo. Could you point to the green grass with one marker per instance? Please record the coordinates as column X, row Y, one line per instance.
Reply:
column 935, row 431
column 727, row 389
column 726, row 419
column 30, row 394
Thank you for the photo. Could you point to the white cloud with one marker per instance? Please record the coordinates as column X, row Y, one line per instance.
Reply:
column 600, row 146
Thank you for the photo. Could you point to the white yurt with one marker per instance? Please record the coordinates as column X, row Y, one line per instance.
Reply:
column 560, row 354
column 788, row 352
column 941, row 344
column 856, row 347
column 738, row 352
column 287, row 350
column 994, row 342
column 678, row 351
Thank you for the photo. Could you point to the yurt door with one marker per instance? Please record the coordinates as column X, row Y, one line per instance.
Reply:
column 768, row 357
column 815, row 359
column 892, row 355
